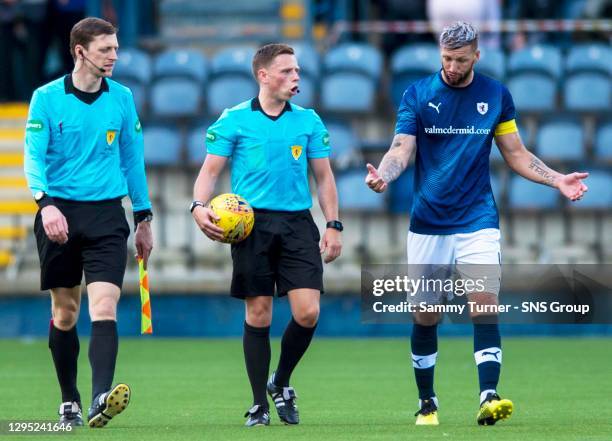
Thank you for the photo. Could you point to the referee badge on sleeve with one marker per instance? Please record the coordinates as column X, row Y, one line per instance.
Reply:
column 296, row 151
column 110, row 136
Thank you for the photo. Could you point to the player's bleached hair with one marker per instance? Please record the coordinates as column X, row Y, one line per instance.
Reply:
column 459, row 34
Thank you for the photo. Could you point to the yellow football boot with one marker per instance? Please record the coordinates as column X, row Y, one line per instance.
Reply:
column 427, row 414
column 493, row 409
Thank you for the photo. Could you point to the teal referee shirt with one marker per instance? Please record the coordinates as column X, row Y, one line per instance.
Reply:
column 269, row 154
column 85, row 151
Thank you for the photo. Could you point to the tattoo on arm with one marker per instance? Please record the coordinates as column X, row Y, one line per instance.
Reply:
column 547, row 177
column 391, row 168
column 396, row 159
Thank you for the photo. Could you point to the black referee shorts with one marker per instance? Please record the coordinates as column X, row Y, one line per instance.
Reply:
column 97, row 244
column 282, row 251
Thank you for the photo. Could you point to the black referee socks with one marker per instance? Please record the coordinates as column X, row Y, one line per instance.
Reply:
column 103, row 348
column 296, row 340
column 64, row 346
column 256, row 344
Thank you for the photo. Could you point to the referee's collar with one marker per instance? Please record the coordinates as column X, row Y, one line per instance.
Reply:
column 256, row 105
column 86, row 97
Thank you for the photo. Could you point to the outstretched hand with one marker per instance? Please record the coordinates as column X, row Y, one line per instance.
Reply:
column 572, row 187
column 374, row 180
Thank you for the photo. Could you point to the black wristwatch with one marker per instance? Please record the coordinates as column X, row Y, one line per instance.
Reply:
column 142, row 216
column 195, row 204
column 335, row 224
column 42, row 199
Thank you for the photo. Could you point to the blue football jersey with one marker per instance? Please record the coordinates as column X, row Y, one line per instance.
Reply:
column 270, row 155
column 85, row 151
column 454, row 127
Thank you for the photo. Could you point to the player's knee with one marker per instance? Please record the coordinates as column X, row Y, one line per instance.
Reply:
column 65, row 319
column 104, row 309
column 259, row 315
column 65, row 315
column 307, row 317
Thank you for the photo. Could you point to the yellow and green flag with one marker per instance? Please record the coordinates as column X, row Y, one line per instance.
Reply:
column 146, row 325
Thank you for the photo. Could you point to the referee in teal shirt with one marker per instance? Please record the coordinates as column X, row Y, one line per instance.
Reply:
column 83, row 154
column 271, row 143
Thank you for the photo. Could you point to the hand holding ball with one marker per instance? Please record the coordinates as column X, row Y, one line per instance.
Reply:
column 236, row 216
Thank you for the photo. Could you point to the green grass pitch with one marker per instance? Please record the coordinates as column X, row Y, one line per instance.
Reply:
column 348, row 390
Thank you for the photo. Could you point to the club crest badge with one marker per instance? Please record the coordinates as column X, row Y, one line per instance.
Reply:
column 110, row 136
column 296, row 151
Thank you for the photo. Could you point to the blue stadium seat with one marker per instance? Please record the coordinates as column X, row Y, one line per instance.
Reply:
column 176, row 97
column 348, row 68
column 344, row 146
column 560, row 140
column 411, row 63
column 162, row 146
column 423, row 59
column 177, row 88
column 526, row 195
column 134, row 64
column 308, row 59
column 538, row 58
column 133, row 70
column 226, row 91
column 355, row 57
column 338, row 93
column 533, row 92
column 236, row 59
column 196, row 145
column 492, row 63
column 589, row 57
column 603, row 142
column 354, row 194
column 181, row 63
column 232, row 80
column 401, row 192
column 587, row 92
column 599, row 196
column 139, row 92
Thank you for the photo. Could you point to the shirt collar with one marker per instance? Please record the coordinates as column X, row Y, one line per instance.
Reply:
column 69, row 86
column 256, row 105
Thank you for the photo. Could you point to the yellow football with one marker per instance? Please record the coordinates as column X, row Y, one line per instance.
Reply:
column 236, row 216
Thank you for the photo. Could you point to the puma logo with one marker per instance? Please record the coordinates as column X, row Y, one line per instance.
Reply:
column 494, row 354
column 430, row 104
column 417, row 361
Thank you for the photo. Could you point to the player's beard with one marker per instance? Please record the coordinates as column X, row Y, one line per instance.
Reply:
column 462, row 79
